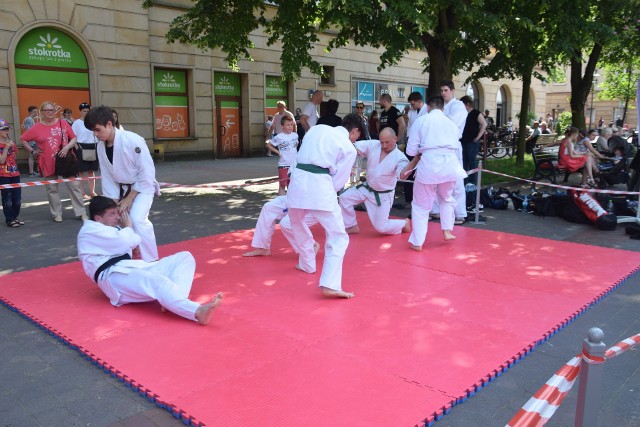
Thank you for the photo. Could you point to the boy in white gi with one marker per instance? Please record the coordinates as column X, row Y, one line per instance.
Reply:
column 324, row 164
column 285, row 145
column 128, row 174
column 434, row 142
column 105, row 252
column 384, row 164
column 272, row 211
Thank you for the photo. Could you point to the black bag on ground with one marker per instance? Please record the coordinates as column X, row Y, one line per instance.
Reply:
column 497, row 200
column 543, row 204
column 568, row 210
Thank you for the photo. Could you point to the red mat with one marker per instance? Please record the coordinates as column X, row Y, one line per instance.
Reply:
column 425, row 331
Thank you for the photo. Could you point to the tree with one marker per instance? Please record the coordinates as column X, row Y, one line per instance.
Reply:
column 523, row 46
column 620, row 82
column 433, row 26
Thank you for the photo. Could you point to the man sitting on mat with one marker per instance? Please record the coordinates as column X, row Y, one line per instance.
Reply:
column 384, row 164
column 104, row 248
column 272, row 211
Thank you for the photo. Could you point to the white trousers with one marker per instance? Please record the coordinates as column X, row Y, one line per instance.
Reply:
column 424, row 196
column 75, row 194
column 168, row 281
column 334, row 248
column 143, row 227
column 272, row 211
column 461, row 200
column 378, row 215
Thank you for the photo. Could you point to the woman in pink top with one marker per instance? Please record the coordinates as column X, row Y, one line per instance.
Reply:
column 54, row 137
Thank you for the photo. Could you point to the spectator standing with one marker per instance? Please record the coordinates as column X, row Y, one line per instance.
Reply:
column 331, row 118
column 54, row 137
column 373, row 124
column 87, row 166
column 299, row 127
column 27, row 124
column 489, row 119
column 285, row 145
column 601, row 123
column 9, row 174
column 360, row 112
column 67, row 116
column 276, row 122
column 309, row 116
column 116, row 120
column 267, row 130
column 619, row 123
column 474, row 129
column 391, row 117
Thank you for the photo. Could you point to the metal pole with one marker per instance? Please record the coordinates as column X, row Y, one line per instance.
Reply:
column 591, row 374
column 478, row 183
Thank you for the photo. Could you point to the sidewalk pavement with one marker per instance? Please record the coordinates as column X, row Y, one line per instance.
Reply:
column 45, row 383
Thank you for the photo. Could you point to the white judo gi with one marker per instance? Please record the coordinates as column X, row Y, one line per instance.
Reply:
column 324, row 149
column 436, row 137
column 272, row 211
column 378, row 191
column 456, row 111
column 132, row 165
column 167, row 280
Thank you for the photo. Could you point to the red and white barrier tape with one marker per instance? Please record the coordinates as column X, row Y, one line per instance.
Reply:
column 622, row 346
column 45, row 182
column 543, row 404
column 162, row 184
column 565, row 187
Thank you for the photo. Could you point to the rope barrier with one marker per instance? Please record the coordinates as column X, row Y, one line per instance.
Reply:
column 544, row 403
column 622, row 346
column 45, row 182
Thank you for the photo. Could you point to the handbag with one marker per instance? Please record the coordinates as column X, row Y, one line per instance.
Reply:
column 88, row 152
column 66, row 166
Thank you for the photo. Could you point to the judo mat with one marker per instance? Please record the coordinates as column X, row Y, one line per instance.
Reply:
column 425, row 331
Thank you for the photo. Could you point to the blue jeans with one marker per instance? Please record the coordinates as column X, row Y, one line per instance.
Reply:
column 469, row 154
column 10, row 198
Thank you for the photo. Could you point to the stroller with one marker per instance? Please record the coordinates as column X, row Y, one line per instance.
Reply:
column 616, row 171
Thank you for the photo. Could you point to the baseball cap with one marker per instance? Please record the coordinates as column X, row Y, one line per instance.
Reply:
column 84, row 105
column 4, row 125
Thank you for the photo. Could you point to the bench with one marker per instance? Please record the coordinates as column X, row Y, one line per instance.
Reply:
column 545, row 159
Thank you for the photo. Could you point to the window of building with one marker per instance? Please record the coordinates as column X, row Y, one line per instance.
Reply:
column 328, row 75
column 171, row 103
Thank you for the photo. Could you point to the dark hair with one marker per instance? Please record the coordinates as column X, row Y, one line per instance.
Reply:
column 415, row 96
column 353, row 121
column 286, row 118
column 571, row 130
column 436, row 101
column 374, row 113
column 448, row 83
column 83, row 106
column 332, row 106
column 98, row 206
column 117, row 118
column 466, row 100
column 31, row 108
column 98, row 116
column 67, row 111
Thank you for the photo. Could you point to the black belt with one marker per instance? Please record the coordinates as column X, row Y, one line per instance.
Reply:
column 109, row 263
column 125, row 192
column 376, row 193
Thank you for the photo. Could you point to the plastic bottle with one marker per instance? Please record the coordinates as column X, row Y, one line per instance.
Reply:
column 610, row 207
column 525, row 204
column 490, row 191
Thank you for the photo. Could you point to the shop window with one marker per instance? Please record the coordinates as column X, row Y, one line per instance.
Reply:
column 171, row 103
column 328, row 75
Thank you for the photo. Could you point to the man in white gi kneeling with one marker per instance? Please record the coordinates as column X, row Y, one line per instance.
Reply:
column 434, row 142
column 104, row 248
column 384, row 164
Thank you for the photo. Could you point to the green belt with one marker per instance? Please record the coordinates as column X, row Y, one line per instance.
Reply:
column 375, row 192
column 312, row 168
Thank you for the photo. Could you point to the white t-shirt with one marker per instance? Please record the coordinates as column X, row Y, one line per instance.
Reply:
column 287, row 146
column 83, row 135
column 310, row 110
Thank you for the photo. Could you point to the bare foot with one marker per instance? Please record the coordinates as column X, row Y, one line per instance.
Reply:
column 205, row 311
column 407, row 226
column 257, row 252
column 301, row 269
column 448, row 235
column 353, row 230
column 327, row 292
column 316, row 247
column 415, row 248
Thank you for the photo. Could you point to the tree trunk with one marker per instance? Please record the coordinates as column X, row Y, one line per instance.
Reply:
column 581, row 84
column 524, row 113
column 439, row 52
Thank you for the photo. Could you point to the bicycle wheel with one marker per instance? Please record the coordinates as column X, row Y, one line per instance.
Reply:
column 499, row 149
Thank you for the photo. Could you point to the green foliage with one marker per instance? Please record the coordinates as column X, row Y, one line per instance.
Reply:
column 563, row 121
column 531, row 117
column 507, row 166
column 620, row 80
